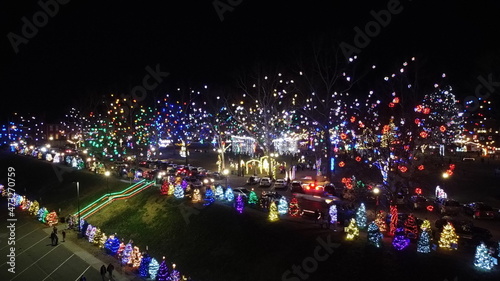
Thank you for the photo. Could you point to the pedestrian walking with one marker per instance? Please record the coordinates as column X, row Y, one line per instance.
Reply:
column 53, row 238
column 110, row 270
column 56, row 238
column 103, row 272
column 63, row 235
column 55, row 230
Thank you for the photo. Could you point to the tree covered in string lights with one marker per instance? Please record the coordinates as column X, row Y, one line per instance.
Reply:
column 424, row 243
column 219, row 192
column 163, row 272
column 332, row 211
column 449, row 237
column 209, row 197
column 144, row 266
column 153, row 268
column 374, row 235
column 400, row 241
column 127, row 254
column 282, row 206
column 394, row 220
column 273, row 212
column 361, row 216
column 483, row 258
column 239, row 204
column 253, row 199
column 112, row 245
column 294, row 209
column 229, row 195
column 352, row 230
column 174, row 275
column 380, row 221
column 411, row 227
column 178, row 192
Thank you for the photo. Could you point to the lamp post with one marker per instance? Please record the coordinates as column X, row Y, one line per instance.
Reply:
column 107, row 173
column 376, row 191
column 78, row 200
column 226, row 174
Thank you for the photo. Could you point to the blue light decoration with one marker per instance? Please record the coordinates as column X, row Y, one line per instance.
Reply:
column 361, row 216
column 153, row 269
column 400, row 241
column 483, row 259
column 424, row 242
column 219, row 193
column 239, row 204
column 162, row 271
column 42, row 213
column 179, row 192
column 112, row 245
column 333, row 214
column 229, row 195
column 374, row 235
column 282, row 206
column 174, row 275
column 209, row 197
column 332, row 164
column 144, row 266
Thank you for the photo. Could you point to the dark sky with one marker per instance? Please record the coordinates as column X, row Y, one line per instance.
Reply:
column 93, row 47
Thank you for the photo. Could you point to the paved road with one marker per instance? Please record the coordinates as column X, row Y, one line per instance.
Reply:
column 37, row 259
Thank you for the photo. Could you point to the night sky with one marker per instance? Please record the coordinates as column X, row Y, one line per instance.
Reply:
column 91, row 48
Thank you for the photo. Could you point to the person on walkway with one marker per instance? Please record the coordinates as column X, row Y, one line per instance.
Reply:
column 56, row 238
column 83, row 278
column 63, row 235
column 110, row 270
column 103, row 272
column 53, row 238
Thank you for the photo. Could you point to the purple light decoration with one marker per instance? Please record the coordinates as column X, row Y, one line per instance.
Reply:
column 239, row 204
column 400, row 241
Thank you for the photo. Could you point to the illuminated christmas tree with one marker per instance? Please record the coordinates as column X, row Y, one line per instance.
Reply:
column 448, row 237
column 102, row 240
column 174, row 275
column 34, row 208
column 361, row 216
column 179, row 192
column 196, row 195
column 293, row 209
column 163, row 271
column 273, row 212
column 400, row 241
column 282, row 206
column 229, row 195
column 127, row 253
column 171, row 189
column 121, row 248
column 136, row 257
column 411, row 227
column 219, row 193
column 374, row 235
column 380, row 221
column 352, row 230
column 91, row 233
column 97, row 236
column 239, row 205
column 112, row 245
column 144, row 266
column 252, row 198
column 483, row 259
column 394, row 220
column 424, row 242
column 426, row 226
column 209, row 197
column 42, row 214
column 165, row 187
column 332, row 211
column 52, row 218
column 153, row 269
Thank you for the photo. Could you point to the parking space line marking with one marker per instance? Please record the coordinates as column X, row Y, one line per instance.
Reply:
column 17, row 239
column 57, row 267
column 35, row 262
column 80, row 276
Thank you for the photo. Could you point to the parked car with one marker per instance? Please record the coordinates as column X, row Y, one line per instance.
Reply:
column 253, row 180
column 466, row 230
column 419, row 202
column 296, row 186
column 448, row 206
column 479, row 210
column 280, row 184
column 193, row 182
column 265, row 182
column 243, row 192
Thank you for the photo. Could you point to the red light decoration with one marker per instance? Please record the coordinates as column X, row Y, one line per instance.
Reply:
column 385, row 129
column 423, row 135
column 442, row 128
column 406, row 147
column 391, row 104
column 417, row 121
column 426, row 110
column 353, row 119
column 361, row 125
column 419, row 108
column 449, row 172
column 343, row 136
column 403, row 169
column 452, row 167
column 341, row 164
column 358, row 158
column 418, row 190
column 421, row 167
column 430, row 208
column 395, row 100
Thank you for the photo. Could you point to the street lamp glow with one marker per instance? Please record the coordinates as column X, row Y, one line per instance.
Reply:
column 107, row 173
column 376, row 190
column 225, row 172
